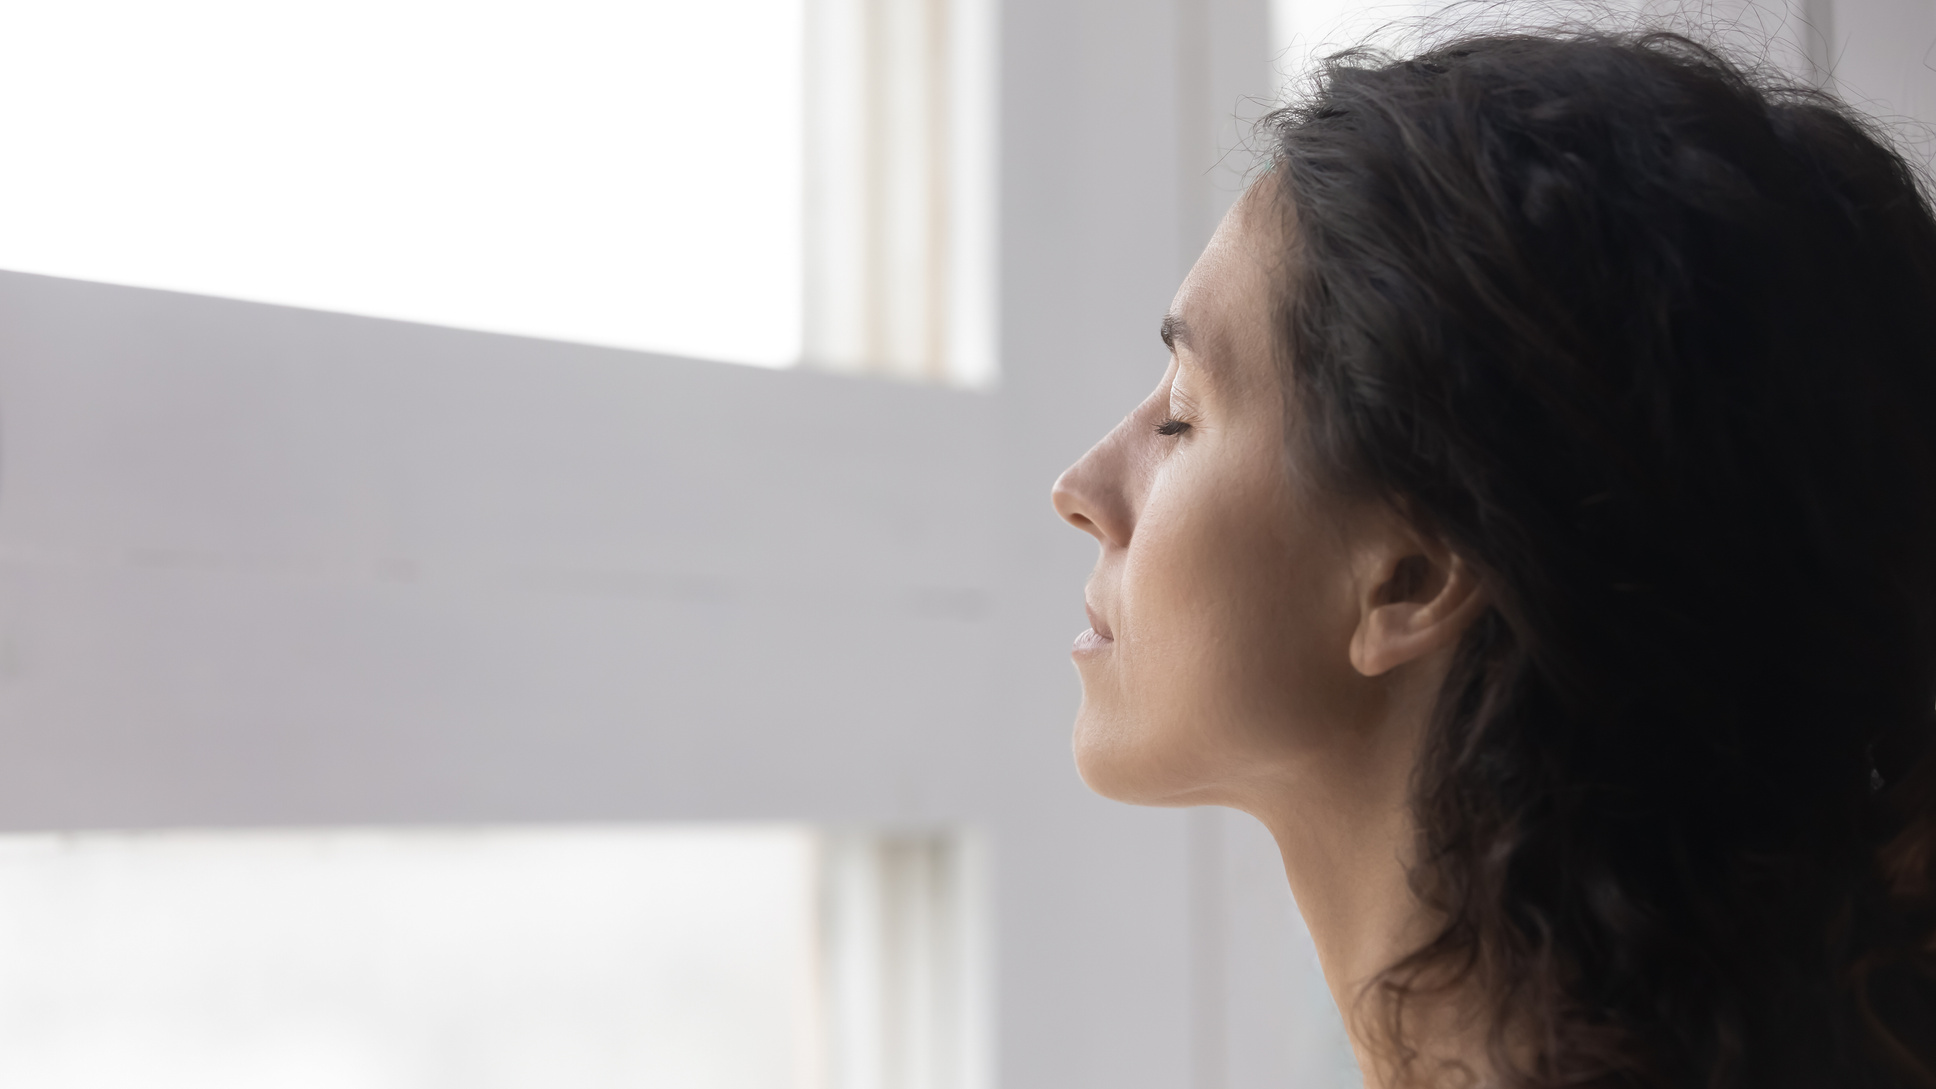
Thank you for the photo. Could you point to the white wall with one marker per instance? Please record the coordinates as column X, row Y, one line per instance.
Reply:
column 1882, row 58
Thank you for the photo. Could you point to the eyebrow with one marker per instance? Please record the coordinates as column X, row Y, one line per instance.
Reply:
column 1174, row 331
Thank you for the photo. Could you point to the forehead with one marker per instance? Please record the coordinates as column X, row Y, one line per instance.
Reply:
column 1220, row 320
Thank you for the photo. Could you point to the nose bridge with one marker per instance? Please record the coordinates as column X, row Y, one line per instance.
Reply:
column 1091, row 494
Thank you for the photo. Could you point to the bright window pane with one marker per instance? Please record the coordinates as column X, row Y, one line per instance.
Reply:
column 621, row 172
column 536, row 959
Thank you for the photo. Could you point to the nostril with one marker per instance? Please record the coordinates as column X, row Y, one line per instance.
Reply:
column 1071, row 510
column 1081, row 508
column 1088, row 495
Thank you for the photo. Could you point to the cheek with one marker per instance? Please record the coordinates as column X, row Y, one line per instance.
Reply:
column 1228, row 610
column 1232, row 631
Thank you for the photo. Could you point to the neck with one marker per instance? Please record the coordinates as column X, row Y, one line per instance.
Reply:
column 1347, row 856
column 1344, row 826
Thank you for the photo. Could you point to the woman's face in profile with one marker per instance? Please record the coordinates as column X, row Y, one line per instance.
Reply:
column 1222, row 606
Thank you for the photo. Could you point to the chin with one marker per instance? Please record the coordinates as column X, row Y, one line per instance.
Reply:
column 1119, row 759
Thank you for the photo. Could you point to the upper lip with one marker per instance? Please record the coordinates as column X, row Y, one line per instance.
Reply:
column 1095, row 622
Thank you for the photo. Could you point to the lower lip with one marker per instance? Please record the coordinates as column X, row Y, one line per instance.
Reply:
column 1091, row 643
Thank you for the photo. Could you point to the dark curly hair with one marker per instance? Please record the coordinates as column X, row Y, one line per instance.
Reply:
column 1650, row 340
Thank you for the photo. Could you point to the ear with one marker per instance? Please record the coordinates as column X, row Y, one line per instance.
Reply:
column 1416, row 597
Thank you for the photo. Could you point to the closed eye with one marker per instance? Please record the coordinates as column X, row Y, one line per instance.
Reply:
column 1172, row 426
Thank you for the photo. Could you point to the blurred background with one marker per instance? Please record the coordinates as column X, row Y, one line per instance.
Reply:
column 524, row 545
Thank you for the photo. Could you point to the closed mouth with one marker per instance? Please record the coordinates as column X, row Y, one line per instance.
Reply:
column 1098, row 632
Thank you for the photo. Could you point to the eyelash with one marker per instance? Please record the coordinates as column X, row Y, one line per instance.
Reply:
column 1172, row 426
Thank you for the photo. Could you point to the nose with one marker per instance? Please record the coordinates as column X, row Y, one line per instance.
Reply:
column 1089, row 494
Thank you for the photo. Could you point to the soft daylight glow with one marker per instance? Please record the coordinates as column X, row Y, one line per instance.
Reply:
column 511, row 959
column 620, row 173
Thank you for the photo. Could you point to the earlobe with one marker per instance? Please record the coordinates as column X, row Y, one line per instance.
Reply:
column 1413, row 606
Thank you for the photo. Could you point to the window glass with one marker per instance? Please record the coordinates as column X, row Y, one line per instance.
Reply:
column 370, row 959
column 621, row 173
column 688, row 956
